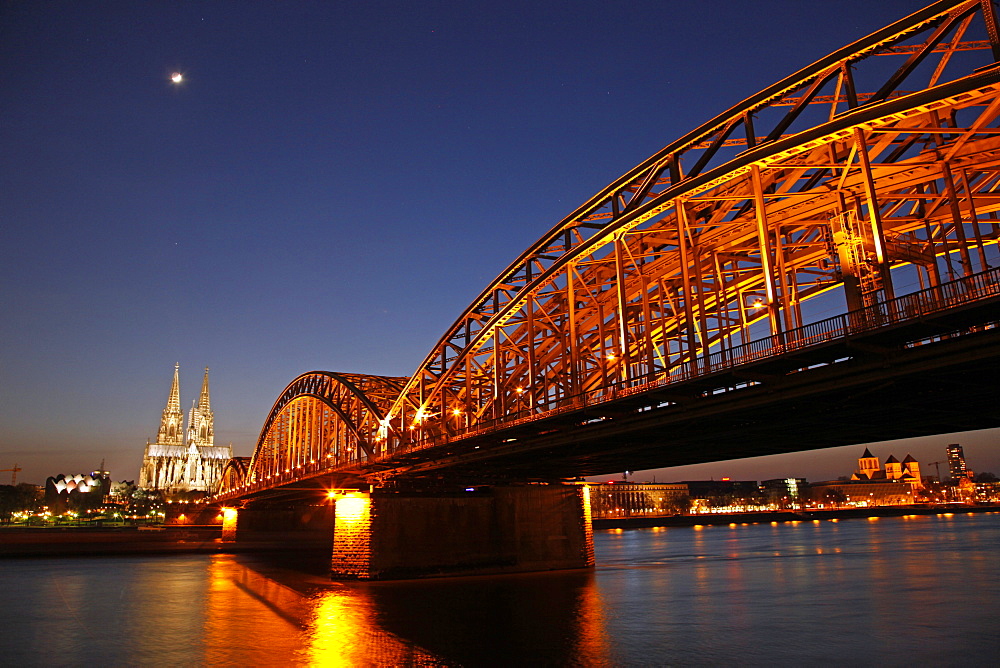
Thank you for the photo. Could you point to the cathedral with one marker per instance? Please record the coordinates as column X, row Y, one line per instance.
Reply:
column 184, row 460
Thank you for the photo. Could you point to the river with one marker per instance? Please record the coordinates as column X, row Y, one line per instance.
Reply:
column 885, row 592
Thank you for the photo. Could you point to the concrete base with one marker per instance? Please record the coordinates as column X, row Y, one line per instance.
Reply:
column 300, row 527
column 384, row 535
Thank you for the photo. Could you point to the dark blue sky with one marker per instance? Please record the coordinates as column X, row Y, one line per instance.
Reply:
column 328, row 188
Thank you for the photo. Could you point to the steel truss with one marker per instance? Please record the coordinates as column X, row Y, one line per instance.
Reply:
column 696, row 250
column 873, row 171
column 321, row 422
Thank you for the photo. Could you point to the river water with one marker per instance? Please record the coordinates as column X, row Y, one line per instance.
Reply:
column 886, row 592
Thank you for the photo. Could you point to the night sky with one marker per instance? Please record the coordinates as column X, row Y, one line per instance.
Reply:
column 327, row 188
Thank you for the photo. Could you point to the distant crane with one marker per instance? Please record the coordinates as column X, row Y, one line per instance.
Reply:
column 937, row 466
column 13, row 475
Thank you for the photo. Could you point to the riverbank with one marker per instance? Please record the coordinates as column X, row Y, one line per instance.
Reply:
column 786, row 516
column 115, row 541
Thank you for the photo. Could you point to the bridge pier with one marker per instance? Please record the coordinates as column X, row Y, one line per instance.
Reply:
column 383, row 535
column 302, row 526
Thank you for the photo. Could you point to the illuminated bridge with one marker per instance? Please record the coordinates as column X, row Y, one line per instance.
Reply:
column 816, row 266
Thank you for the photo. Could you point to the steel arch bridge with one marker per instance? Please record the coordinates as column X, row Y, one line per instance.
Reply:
column 872, row 173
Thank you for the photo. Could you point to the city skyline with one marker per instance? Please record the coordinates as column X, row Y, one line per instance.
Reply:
column 323, row 189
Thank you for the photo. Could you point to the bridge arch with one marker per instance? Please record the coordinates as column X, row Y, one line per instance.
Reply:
column 814, row 196
column 234, row 475
column 322, row 420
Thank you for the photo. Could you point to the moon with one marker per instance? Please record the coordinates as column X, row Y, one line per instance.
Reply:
column 177, row 77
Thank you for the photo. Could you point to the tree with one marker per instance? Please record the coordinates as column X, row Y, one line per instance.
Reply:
column 15, row 499
column 678, row 505
column 834, row 496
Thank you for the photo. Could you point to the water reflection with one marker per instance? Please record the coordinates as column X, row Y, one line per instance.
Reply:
column 344, row 632
column 543, row 619
column 298, row 616
column 850, row 592
column 295, row 616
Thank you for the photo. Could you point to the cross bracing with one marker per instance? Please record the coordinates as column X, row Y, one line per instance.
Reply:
column 871, row 173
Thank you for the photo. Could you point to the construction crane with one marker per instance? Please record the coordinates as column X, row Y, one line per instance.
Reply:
column 937, row 466
column 13, row 475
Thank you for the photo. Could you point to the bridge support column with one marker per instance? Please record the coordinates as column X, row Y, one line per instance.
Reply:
column 303, row 527
column 230, row 522
column 398, row 535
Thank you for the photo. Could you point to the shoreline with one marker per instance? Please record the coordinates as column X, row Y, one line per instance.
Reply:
column 34, row 542
column 785, row 516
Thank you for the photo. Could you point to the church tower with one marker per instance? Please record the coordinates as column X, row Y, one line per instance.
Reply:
column 201, row 420
column 868, row 467
column 172, row 423
column 893, row 469
column 911, row 471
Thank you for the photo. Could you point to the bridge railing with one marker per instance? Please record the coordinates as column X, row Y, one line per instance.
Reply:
column 883, row 315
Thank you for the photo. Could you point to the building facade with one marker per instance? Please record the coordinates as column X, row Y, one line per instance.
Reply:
column 77, row 492
column 184, row 460
column 629, row 499
column 956, row 463
column 869, row 470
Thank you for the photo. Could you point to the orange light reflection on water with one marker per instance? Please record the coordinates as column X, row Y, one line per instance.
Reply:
column 335, row 625
column 343, row 632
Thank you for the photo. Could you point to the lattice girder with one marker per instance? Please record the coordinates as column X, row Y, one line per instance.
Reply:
column 323, row 421
column 872, row 170
column 234, row 475
column 663, row 267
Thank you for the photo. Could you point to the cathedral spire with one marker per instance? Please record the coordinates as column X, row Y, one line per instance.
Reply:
column 172, row 423
column 174, row 401
column 201, row 423
column 203, row 403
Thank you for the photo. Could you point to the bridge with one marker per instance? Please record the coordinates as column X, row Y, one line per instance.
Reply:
column 816, row 266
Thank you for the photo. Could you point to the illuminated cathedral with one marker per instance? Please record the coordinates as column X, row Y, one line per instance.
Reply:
column 184, row 460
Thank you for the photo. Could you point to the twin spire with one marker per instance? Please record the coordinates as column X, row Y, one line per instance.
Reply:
column 201, row 420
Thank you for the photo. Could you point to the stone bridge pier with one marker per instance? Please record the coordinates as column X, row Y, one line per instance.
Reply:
column 385, row 535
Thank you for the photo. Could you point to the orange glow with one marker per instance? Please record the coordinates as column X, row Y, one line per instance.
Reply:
column 352, row 509
column 230, row 517
column 344, row 631
column 352, row 535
